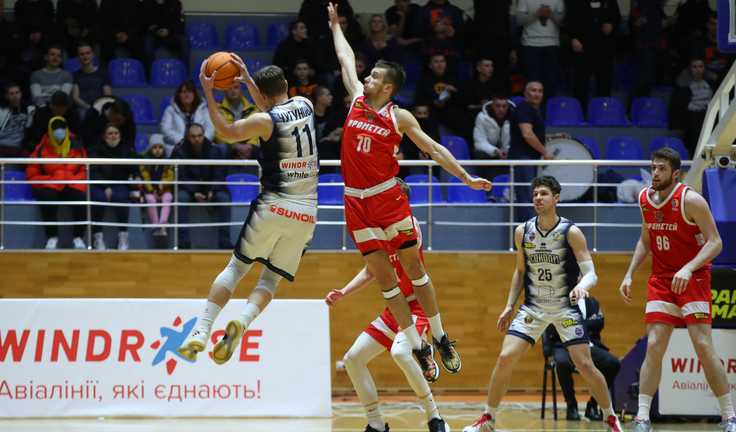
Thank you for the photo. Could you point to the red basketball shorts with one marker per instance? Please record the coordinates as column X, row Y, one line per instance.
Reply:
column 693, row 306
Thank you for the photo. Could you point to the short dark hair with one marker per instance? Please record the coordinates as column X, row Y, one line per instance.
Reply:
column 395, row 74
column 189, row 86
column 60, row 99
column 271, row 81
column 10, row 85
column 293, row 24
column 55, row 46
column 85, row 43
column 192, row 126
column 668, row 154
column 547, row 181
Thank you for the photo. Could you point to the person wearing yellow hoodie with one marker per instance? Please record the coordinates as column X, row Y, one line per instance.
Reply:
column 59, row 142
column 234, row 107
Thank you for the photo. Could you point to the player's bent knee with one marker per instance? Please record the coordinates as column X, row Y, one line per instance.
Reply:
column 401, row 353
column 232, row 274
column 268, row 281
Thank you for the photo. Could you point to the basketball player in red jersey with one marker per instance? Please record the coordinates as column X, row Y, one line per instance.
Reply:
column 378, row 216
column 678, row 228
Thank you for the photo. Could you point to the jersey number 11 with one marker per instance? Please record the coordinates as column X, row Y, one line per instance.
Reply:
column 298, row 137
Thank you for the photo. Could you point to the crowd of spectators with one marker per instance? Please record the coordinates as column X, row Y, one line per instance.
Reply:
column 462, row 71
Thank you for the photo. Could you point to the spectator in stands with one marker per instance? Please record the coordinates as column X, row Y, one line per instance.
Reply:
column 110, row 146
column 197, row 146
column 78, row 20
column 646, row 22
column 439, row 90
column 440, row 10
column 10, row 50
column 409, row 151
column 607, row 363
column 59, row 106
column 302, row 83
column 492, row 131
column 186, row 108
column 691, row 19
column 705, row 46
column 165, row 29
column 442, row 40
column 379, row 44
column 328, row 66
column 120, row 31
column 528, row 136
column 36, row 20
column 540, row 41
column 314, row 14
column 59, row 142
column 156, row 192
column 476, row 92
column 298, row 45
column 15, row 121
column 234, row 107
column 51, row 78
column 327, row 127
column 592, row 25
column 110, row 109
column 689, row 102
column 402, row 20
column 492, row 22
column 90, row 81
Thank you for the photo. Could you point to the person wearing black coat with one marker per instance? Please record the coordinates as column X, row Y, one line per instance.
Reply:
column 607, row 363
column 121, row 34
column 196, row 146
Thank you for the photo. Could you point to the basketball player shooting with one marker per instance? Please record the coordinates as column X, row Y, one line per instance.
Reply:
column 376, row 212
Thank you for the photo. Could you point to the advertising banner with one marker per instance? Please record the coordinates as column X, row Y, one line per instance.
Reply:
column 118, row 357
column 683, row 389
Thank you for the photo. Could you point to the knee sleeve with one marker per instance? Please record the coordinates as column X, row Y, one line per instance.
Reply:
column 231, row 275
column 401, row 349
column 268, row 281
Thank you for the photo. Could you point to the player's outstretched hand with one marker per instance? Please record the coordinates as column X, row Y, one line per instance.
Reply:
column 334, row 19
column 680, row 280
column 479, row 183
column 625, row 289
column 504, row 320
column 208, row 83
column 333, row 297
column 578, row 293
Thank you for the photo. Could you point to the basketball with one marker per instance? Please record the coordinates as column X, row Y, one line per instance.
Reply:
column 226, row 69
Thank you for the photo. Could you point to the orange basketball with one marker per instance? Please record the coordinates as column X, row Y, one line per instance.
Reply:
column 226, row 69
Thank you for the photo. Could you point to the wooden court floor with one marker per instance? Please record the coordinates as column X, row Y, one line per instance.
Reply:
column 347, row 417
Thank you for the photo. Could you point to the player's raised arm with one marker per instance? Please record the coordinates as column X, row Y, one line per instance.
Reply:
column 696, row 209
column 504, row 320
column 344, row 54
column 247, row 79
column 257, row 125
column 579, row 246
column 410, row 126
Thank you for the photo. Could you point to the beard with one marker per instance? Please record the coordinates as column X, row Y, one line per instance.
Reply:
column 664, row 184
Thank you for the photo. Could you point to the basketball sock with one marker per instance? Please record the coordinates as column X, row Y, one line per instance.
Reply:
column 208, row 317
column 726, row 404
column 645, row 401
column 430, row 407
column 412, row 335
column 491, row 411
column 375, row 420
column 435, row 323
column 250, row 313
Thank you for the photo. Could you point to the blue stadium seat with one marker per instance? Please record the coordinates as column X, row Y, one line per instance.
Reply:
column 126, row 72
column 420, row 189
column 624, row 148
column 330, row 195
column 242, row 36
column 17, row 191
column 517, row 99
column 607, row 111
column 243, row 193
column 254, row 64
column 591, row 144
column 463, row 194
column 202, row 35
column 168, row 73
column 457, row 146
column 672, row 142
column 413, row 70
column 276, row 33
column 142, row 109
column 564, row 111
column 499, row 191
column 649, row 112
column 141, row 142
column 72, row 65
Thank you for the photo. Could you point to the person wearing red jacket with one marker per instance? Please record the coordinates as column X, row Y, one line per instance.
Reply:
column 59, row 143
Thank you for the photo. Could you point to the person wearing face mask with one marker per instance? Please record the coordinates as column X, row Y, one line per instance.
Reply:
column 59, row 142
column 60, row 105
column 110, row 146
column 157, row 192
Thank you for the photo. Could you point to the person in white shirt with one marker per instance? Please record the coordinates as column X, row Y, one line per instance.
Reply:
column 540, row 41
column 186, row 108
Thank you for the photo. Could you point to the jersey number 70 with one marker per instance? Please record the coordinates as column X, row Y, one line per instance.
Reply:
column 364, row 144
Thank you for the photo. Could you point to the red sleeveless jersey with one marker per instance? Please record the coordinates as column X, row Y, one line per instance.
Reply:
column 674, row 241
column 369, row 141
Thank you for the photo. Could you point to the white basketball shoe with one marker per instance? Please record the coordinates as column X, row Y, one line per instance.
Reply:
column 194, row 344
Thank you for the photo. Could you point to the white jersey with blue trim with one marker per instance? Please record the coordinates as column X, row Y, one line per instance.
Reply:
column 552, row 270
column 289, row 157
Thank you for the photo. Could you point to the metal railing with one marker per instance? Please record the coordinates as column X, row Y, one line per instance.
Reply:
column 431, row 222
